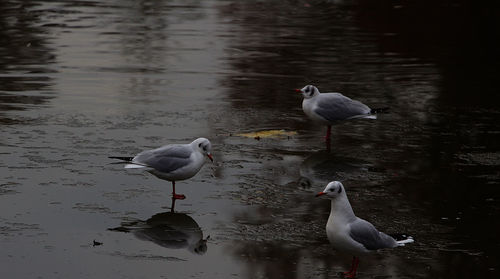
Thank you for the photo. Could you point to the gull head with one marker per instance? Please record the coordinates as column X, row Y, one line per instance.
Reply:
column 333, row 190
column 308, row 91
column 204, row 146
column 199, row 247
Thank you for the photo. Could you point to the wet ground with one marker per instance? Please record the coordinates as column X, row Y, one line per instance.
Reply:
column 82, row 80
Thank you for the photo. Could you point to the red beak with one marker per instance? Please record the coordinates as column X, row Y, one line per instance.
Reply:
column 210, row 157
column 320, row 194
column 298, row 90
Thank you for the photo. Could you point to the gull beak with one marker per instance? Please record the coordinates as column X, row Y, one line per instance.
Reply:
column 320, row 194
column 298, row 90
column 210, row 157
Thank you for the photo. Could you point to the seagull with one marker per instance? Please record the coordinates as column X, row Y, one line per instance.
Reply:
column 329, row 108
column 172, row 162
column 353, row 235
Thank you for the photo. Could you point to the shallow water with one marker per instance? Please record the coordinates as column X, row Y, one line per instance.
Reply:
column 82, row 80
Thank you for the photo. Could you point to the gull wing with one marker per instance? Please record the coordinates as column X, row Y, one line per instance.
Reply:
column 366, row 234
column 167, row 158
column 335, row 106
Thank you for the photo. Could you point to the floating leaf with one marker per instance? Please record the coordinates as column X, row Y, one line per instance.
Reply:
column 268, row 134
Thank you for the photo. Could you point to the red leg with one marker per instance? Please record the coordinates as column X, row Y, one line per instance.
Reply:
column 327, row 138
column 354, row 266
column 328, row 132
column 173, row 205
column 176, row 196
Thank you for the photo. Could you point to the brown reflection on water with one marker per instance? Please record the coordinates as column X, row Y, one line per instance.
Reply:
column 278, row 47
column 456, row 35
column 25, row 59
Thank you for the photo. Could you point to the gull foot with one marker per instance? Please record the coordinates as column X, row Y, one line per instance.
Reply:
column 349, row 274
column 178, row 196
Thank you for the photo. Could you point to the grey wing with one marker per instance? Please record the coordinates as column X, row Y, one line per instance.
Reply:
column 335, row 106
column 366, row 234
column 165, row 159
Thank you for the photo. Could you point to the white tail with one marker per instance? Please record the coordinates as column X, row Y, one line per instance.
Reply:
column 405, row 241
column 365, row 116
column 134, row 166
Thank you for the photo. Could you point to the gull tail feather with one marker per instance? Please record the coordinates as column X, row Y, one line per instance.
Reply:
column 134, row 166
column 402, row 239
column 128, row 159
column 364, row 116
column 129, row 163
column 403, row 242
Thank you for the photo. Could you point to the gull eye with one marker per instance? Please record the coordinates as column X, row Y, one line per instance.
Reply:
column 311, row 90
column 199, row 145
column 331, row 190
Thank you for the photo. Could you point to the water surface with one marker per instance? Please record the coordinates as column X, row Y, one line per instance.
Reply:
column 81, row 80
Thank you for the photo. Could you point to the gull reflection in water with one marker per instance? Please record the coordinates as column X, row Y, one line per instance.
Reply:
column 170, row 230
column 321, row 167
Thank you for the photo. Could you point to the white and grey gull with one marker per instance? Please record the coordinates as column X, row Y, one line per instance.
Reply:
column 330, row 108
column 350, row 234
column 172, row 162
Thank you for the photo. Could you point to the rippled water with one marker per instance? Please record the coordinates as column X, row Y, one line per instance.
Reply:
column 81, row 80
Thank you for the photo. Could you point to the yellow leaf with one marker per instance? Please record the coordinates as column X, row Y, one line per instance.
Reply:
column 268, row 134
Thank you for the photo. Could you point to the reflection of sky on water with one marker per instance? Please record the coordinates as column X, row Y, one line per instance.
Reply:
column 26, row 62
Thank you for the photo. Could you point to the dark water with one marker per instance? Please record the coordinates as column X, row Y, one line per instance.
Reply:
column 81, row 80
